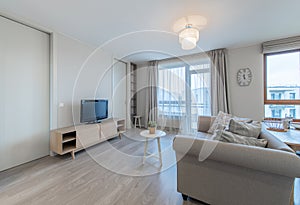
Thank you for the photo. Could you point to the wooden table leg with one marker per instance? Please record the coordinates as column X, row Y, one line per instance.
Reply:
column 159, row 150
column 145, row 150
column 292, row 195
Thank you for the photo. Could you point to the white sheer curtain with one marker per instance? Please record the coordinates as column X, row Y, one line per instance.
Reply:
column 183, row 92
column 172, row 99
column 151, row 96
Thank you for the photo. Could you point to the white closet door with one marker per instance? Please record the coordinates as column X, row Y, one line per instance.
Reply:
column 24, row 93
column 119, row 89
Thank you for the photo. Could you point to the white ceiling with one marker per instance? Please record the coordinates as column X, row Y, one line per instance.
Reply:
column 141, row 30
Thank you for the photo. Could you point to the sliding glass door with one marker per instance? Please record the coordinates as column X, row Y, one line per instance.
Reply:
column 200, row 93
column 183, row 94
column 172, row 94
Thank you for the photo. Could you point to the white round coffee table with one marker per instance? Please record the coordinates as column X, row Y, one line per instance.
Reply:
column 158, row 134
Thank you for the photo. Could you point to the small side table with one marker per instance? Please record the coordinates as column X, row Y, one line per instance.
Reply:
column 158, row 134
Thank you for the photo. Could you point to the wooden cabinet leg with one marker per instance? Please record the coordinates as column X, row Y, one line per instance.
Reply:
column 73, row 154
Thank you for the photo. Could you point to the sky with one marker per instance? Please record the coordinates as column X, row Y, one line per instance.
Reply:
column 285, row 69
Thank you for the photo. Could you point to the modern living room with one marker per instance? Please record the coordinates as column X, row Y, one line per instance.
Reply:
column 161, row 102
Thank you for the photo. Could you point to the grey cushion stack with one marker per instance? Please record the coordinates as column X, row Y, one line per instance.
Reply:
column 241, row 132
column 225, row 136
column 252, row 129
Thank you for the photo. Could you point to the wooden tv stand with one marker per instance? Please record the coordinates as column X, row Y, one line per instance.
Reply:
column 75, row 138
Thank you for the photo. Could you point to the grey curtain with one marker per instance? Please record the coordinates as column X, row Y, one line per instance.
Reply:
column 219, row 84
column 151, row 96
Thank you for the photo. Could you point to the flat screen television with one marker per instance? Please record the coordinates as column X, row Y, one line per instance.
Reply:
column 93, row 111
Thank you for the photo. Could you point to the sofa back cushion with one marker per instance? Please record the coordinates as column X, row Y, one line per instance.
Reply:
column 204, row 123
column 230, row 137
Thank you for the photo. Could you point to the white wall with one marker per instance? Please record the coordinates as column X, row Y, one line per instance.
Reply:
column 141, row 84
column 24, row 91
column 246, row 101
column 64, row 75
column 76, row 81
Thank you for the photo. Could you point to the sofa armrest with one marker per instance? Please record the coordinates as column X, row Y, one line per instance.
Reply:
column 257, row 158
column 273, row 142
column 204, row 123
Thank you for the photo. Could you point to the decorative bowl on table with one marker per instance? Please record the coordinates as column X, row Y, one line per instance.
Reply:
column 275, row 125
column 296, row 125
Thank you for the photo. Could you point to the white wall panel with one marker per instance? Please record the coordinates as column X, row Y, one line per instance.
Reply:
column 24, row 92
column 246, row 101
column 82, row 73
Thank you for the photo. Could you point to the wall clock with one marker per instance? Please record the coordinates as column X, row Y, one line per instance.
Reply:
column 244, row 76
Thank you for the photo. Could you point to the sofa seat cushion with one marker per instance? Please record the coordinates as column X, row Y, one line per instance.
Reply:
column 203, row 135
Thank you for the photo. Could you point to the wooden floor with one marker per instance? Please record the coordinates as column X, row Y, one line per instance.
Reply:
column 61, row 180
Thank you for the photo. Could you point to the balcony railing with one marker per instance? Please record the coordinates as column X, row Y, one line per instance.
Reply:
column 177, row 110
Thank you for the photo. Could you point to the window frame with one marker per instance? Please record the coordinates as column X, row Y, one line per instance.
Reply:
column 277, row 102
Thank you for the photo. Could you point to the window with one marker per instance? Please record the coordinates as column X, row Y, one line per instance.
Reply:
column 200, row 92
column 282, row 84
column 293, row 113
column 273, row 96
column 184, row 92
column 276, row 113
column 292, row 96
column 171, row 95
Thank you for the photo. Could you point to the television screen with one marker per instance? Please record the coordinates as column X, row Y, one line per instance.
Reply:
column 93, row 110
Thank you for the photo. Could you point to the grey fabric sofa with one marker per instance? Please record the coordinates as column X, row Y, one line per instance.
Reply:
column 226, row 173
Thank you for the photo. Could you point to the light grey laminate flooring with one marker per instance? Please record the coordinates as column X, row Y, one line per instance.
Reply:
column 110, row 173
column 120, row 178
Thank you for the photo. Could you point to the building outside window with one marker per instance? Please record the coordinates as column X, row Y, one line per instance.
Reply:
column 292, row 96
column 293, row 113
column 273, row 96
column 282, row 84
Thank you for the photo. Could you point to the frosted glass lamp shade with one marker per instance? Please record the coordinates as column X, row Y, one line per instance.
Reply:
column 188, row 43
column 188, row 38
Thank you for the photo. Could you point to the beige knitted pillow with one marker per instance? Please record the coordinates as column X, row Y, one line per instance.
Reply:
column 221, row 121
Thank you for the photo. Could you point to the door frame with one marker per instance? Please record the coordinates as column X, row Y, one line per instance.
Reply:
column 115, row 61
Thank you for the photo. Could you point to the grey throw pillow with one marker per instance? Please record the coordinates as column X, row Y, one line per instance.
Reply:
column 242, row 119
column 252, row 129
column 225, row 136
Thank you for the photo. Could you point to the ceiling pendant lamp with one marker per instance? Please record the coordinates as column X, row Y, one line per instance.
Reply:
column 188, row 30
column 188, row 37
